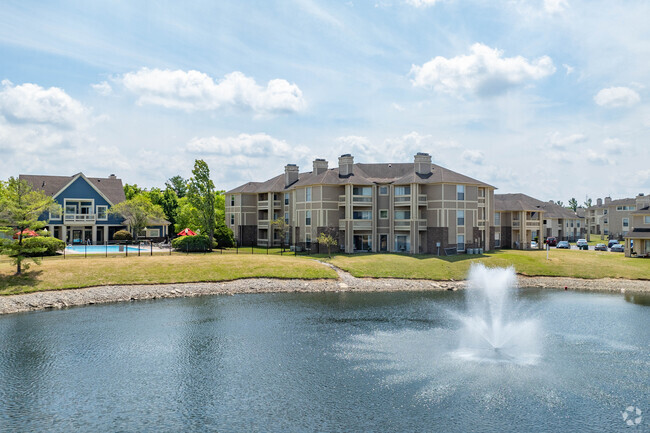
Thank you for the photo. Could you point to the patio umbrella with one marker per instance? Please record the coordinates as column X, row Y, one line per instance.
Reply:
column 26, row 232
column 186, row 232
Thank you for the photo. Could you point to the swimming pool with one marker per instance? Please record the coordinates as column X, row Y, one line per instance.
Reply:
column 100, row 249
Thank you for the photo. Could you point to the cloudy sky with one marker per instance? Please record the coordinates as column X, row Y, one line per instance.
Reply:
column 545, row 97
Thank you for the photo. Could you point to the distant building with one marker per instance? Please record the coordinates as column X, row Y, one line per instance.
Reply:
column 612, row 218
column 417, row 207
column 637, row 239
column 521, row 219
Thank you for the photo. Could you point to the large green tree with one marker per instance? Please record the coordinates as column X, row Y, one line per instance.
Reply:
column 201, row 195
column 178, row 184
column 573, row 204
column 20, row 209
column 187, row 216
column 138, row 213
column 169, row 204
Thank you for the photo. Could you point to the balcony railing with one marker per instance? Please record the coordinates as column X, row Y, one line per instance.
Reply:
column 532, row 223
column 263, row 203
column 77, row 217
column 422, row 198
column 361, row 199
column 263, row 224
column 401, row 200
column 277, row 203
column 516, row 224
column 356, row 224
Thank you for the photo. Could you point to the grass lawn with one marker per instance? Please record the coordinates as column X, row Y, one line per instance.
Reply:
column 565, row 263
column 74, row 272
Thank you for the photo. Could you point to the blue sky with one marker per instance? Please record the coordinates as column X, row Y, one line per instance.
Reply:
column 545, row 97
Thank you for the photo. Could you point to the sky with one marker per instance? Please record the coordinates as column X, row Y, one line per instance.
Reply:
column 545, row 97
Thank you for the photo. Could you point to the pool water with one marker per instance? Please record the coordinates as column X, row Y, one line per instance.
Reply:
column 97, row 249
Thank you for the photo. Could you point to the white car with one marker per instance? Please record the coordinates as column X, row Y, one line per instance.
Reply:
column 533, row 245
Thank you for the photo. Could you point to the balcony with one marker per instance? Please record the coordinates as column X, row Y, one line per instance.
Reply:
column 481, row 223
column 356, row 224
column 262, row 224
column 80, row 218
column 516, row 224
column 403, row 200
column 361, row 199
column 422, row 198
column 263, row 203
column 277, row 203
column 406, row 224
column 532, row 223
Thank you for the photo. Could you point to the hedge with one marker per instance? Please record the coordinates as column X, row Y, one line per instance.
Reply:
column 51, row 245
column 191, row 243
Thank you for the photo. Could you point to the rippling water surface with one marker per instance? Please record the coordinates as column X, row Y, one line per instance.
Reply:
column 379, row 362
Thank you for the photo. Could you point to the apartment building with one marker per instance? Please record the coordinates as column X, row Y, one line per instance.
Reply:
column 612, row 218
column 417, row 207
column 637, row 240
column 521, row 219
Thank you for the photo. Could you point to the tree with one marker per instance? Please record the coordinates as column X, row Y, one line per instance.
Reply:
column 559, row 203
column 573, row 204
column 281, row 226
column 169, row 205
column 587, row 203
column 131, row 191
column 187, row 216
column 178, row 184
column 327, row 240
column 20, row 209
column 201, row 195
column 137, row 213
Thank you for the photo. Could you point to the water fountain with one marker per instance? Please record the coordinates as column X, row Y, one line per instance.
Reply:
column 493, row 330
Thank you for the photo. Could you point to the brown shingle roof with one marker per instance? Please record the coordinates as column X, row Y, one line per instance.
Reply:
column 362, row 174
column 111, row 187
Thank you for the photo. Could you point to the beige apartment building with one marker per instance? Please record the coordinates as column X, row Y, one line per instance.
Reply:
column 417, row 207
column 637, row 240
column 520, row 219
column 613, row 218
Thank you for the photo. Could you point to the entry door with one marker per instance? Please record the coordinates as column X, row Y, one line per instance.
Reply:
column 76, row 236
column 383, row 243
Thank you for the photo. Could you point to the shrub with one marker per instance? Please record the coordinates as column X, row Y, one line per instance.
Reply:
column 122, row 235
column 224, row 236
column 191, row 243
column 51, row 245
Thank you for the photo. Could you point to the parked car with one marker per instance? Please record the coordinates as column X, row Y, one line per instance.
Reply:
column 600, row 247
column 618, row 248
column 533, row 245
column 551, row 240
column 582, row 244
column 611, row 242
column 564, row 244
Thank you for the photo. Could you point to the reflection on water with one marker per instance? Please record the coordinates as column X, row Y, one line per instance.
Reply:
column 638, row 298
column 318, row 362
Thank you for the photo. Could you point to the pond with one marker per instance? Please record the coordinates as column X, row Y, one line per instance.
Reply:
column 371, row 362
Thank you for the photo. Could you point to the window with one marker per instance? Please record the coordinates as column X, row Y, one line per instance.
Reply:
column 605, row 212
column 402, row 214
column 55, row 213
column 626, row 222
column 102, row 213
column 286, row 217
column 276, row 196
column 497, row 218
column 497, row 240
column 578, row 224
column 646, row 220
column 460, row 192
column 308, row 218
column 153, row 233
column 632, row 207
column 460, row 217
column 460, row 241
column 383, row 214
column 606, row 232
column 286, row 199
column 544, row 222
column 308, row 240
column 362, row 190
column 70, row 208
column 362, row 215
column 605, row 221
column 403, row 190
column 232, row 200
column 481, row 192
column 383, row 190
column 362, row 242
column 402, row 243
column 308, row 193
column 232, row 219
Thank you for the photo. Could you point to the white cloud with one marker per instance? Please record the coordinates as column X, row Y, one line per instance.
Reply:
column 569, row 69
column 193, row 90
column 615, row 146
column 398, row 107
column 251, row 145
column 473, row 156
column 422, row 3
column 483, row 72
column 33, row 104
column 613, row 97
column 555, row 6
column 102, row 88
column 597, row 158
column 562, row 142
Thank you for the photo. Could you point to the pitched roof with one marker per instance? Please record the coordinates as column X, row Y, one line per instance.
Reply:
column 51, row 185
column 523, row 202
column 362, row 174
column 641, row 233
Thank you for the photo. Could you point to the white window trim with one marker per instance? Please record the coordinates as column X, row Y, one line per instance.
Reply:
column 381, row 217
column 97, row 212
column 383, row 186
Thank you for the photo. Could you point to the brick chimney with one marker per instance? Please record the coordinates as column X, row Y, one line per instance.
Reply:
column 422, row 162
column 320, row 166
column 112, row 176
column 599, row 202
column 290, row 174
column 346, row 162
column 608, row 200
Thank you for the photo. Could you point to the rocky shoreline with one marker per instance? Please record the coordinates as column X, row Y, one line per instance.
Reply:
column 345, row 282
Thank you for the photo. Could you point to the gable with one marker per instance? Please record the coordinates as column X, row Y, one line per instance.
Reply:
column 80, row 188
